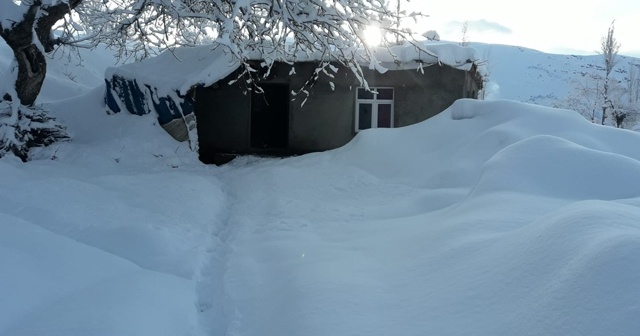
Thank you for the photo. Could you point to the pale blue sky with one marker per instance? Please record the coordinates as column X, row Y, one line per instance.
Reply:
column 558, row 26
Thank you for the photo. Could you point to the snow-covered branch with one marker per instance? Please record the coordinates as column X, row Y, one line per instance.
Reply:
column 277, row 29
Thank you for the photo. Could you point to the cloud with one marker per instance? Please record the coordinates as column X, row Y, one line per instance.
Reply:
column 481, row 26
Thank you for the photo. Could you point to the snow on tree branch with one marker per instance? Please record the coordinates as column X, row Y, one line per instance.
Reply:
column 277, row 29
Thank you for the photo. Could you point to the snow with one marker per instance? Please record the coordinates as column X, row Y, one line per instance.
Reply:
column 69, row 76
column 184, row 68
column 444, row 227
column 532, row 76
column 492, row 218
column 11, row 14
column 12, row 11
column 53, row 285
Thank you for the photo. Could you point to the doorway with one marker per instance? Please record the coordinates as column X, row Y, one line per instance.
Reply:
column 270, row 117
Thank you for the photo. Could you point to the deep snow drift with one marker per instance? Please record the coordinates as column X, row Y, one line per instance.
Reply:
column 493, row 218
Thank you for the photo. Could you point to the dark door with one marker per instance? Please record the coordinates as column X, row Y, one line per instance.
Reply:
column 270, row 117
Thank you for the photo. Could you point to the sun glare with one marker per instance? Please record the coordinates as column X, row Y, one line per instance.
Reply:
column 373, row 36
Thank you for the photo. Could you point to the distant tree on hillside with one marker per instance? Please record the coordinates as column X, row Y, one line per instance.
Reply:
column 603, row 99
column 609, row 48
column 586, row 97
column 277, row 29
column 633, row 92
column 465, row 34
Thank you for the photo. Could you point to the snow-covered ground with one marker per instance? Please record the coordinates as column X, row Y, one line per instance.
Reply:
column 493, row 218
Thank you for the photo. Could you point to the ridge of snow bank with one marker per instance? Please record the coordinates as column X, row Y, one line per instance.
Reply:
column 554, row 167
column 450, row 149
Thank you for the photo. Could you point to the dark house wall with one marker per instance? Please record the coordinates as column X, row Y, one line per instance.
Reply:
column 223, row 117
column 327, row 118
column 472, row 83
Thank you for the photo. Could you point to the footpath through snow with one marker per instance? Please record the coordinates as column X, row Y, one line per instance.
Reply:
column 296, row 262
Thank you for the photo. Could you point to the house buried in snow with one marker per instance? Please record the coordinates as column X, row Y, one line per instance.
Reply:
column 310, row 104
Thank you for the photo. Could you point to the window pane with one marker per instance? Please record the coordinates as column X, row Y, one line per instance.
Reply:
column 365, row 112
column 364, row 94
column 384, row 115
column 386, row 94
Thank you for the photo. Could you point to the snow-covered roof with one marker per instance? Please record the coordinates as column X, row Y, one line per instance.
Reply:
column 182, row 68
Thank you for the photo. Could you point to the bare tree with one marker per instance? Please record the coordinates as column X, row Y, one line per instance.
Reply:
column 618, row 100
column 627, row 113
column 465, row 34
column 585, row 97
column 398, row 19
column 609, row 48
column 633, row 86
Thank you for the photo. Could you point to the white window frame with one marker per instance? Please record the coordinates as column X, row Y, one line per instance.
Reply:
column 374, row 109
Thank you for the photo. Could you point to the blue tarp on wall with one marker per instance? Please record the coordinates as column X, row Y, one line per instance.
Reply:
column 127, row 94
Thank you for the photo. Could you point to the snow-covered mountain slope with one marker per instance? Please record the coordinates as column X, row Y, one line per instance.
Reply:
column 532, row 76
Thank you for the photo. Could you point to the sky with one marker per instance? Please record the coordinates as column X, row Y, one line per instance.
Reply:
column 555, row 26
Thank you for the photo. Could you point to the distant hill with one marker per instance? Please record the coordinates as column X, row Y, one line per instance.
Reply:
column 536, row 77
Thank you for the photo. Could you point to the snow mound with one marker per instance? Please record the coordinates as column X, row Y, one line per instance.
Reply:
column 174, row 214
column 554, row 167
column 121, row 140
column 113, row 233
column 62, row 287
column 584, row 259
column 451, row 149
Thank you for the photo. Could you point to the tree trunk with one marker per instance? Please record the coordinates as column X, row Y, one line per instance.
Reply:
column 32, row 64
column 607, row 102
column 32, row 68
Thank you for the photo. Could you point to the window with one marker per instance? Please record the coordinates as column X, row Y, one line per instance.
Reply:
column 374, row 108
